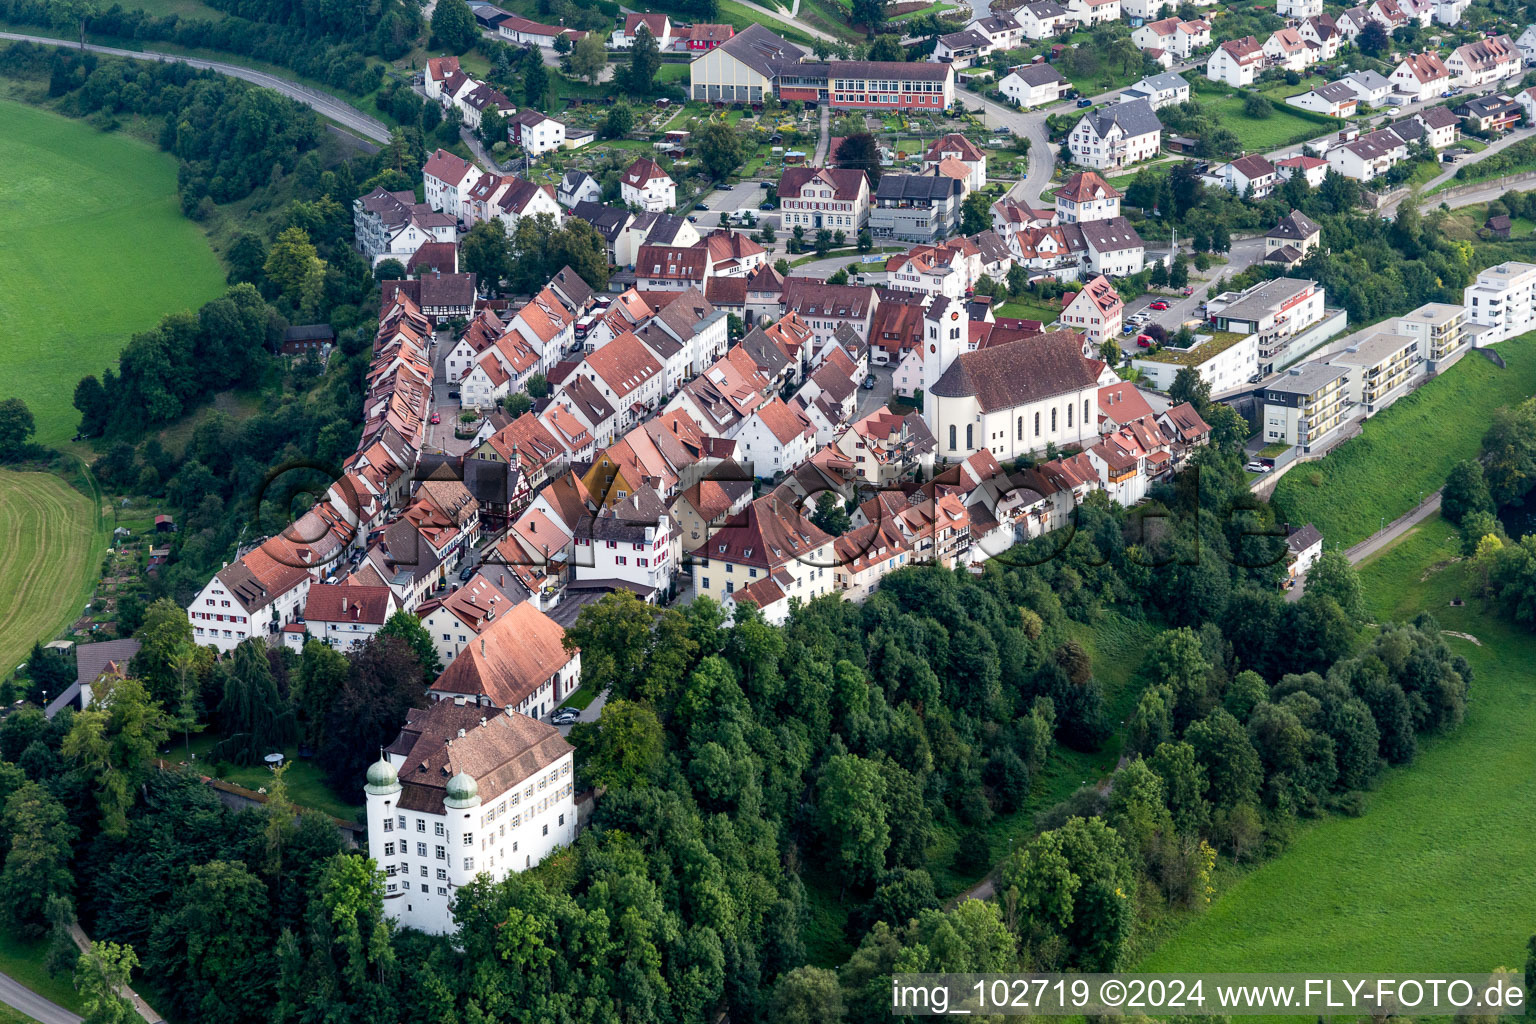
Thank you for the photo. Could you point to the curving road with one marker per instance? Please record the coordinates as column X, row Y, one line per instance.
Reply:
column 17, row 996
column 339, row 111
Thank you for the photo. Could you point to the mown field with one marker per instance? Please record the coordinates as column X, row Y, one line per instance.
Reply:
column 1408, row 449
column 96, row 249
column 51, row 552
column 1440, row 872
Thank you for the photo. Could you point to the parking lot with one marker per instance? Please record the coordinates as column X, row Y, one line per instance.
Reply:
column 748, row 195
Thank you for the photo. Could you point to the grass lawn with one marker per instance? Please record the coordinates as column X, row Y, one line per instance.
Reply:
column 83, row 275
column 1281, row 128
column 24, row 960
column 1026, row 310
column 1407, row 449
column 1438, row 870
column 582, row 698
column 47, row 565
column 307, row 786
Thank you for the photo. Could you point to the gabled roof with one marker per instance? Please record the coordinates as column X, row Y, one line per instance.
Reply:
column 510, row 660
column 1134, row 117
column 348, row 602
column 449, row 167
column 642, row 172
column 954, row 142
column 1086, row 186
column 498, row 750
column 1245, row 50
column 761, row 50
column 1438, row 117
column 768, row 534
column 1112, row 235
column 1296, row 225
column 845, row 182
column 1253, row 166
column 1006, row 376
column 1426, row 67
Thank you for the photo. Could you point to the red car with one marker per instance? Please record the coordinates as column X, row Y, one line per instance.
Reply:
column 1158, row 305
column 1144, row 340
column 436, row 418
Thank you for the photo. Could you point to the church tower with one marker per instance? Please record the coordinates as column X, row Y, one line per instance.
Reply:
column 945, row 330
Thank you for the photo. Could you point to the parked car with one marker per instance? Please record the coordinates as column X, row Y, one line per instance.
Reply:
column 1159, row 305
column 723, row 187
column 765, row 206
column 1005, row 130
column 1257, row 467
column 1189, row 289
column 1084, row 102
column 1144, row 340
column 765, row 184
column 1255, row 378
column 465, row 573
column 1129, row 328
column 564, row 715
column 692, row 219
column 869, row 383
column 701, row 206
column 436, row 418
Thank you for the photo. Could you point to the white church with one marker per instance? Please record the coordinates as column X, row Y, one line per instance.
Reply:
column 1005, row 391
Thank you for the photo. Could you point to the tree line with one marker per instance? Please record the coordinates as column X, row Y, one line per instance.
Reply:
column 1477, row 491
column 338, row 60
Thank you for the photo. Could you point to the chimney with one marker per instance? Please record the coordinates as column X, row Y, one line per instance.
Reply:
column 461, row 731
column 458, row 700
column 482, row 647
column 482, row 721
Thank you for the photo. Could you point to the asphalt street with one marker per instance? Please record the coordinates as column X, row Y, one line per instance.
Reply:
column 17, row 996
column 329, row 106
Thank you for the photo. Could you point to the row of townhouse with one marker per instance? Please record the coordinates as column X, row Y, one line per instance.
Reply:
column 264, row 591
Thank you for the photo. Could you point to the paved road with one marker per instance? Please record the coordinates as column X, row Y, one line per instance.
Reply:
column 588, row 714
column 16, row 995
column 1381, row 539
column 342, row 113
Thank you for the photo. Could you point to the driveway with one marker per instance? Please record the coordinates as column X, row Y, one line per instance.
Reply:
column 588, row 714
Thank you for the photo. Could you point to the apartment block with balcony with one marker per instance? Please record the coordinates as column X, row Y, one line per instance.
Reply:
column 1306, row 405
column 1273, row 310
column 1381, row 368
column 1441, row 331
column 1501, row 303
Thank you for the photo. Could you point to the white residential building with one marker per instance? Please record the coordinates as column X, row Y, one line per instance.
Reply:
column 536, row 133
column 1116, row 136
column 345, row 615
column 1421, row 77
column 447, row 179
column 1503, row 298
column 645, row 184
column 1096, row 311
column 1043, row 19
column 1158, row 90
column 1274, row 311
column 1034, row 85
column 253, row 597
column 1237, row 62
column 1224, row 359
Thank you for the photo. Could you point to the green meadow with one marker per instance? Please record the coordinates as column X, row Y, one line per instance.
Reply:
column 96, row 249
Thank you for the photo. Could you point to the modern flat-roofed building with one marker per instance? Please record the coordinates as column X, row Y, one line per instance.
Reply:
column 1502, row 301
column 1224, row 358
column 1274, row 310
column 1441, row 331
column 1381, row 368
column 1305, row 405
